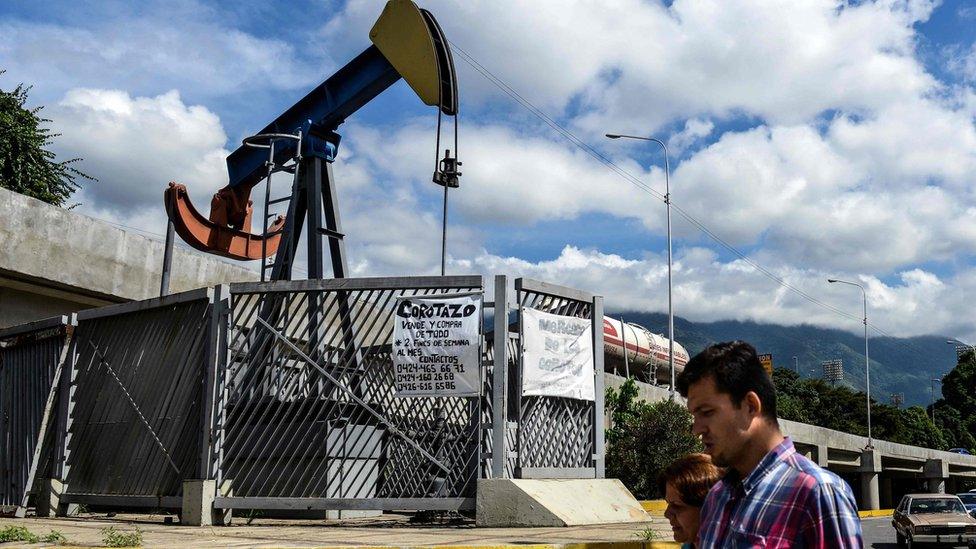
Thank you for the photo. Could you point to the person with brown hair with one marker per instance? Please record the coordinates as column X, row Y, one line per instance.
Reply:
column 772, row 496
column 685, row 484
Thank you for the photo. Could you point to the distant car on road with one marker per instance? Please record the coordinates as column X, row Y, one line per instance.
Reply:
column 969, row 500
column 962, row 451
column 933, row 518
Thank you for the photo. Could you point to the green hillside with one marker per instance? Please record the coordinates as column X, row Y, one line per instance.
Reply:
column 898, row 365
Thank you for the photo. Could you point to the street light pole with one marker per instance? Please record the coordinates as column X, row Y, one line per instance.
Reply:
column 867, row 358
column 796, row 365
column 932, row 401
column 667, row 202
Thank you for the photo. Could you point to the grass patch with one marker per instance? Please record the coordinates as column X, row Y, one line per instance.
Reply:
column 117, row 538
column 17, row 533
column 55, row 537
column 647, row 534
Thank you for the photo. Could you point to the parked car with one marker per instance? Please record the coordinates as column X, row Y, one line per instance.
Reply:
column 933, row 518
column 962, row 451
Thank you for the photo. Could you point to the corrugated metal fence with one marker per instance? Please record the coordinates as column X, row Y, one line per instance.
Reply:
column 29, row 356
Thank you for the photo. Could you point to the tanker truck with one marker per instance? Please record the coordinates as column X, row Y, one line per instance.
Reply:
column 647, row 353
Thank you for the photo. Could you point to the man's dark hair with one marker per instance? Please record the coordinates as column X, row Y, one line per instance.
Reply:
column 736, row 369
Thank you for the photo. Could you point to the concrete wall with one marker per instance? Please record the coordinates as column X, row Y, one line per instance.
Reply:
column 54, row 261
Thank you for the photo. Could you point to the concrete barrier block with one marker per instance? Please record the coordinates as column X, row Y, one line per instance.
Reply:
column 198, row 500
column 555, row 502
column 49, row 500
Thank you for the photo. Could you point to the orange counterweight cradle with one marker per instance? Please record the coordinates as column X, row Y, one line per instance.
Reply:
column 227, row 231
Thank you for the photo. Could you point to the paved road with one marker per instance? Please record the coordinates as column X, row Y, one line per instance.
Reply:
column 879, row 534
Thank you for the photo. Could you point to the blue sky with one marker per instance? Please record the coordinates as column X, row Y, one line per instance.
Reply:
column 819, row 138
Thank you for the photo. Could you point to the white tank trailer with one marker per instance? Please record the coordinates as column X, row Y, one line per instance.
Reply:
column 647, row 353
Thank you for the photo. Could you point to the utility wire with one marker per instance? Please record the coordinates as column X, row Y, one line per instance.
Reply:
column 600, row 157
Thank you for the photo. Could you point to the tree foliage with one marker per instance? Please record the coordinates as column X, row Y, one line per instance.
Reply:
column 643, row 439
column 955, row 412
column 818, row 403
column 27, row 166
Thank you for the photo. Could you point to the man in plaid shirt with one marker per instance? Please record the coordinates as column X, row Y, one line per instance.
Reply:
column 772, row 496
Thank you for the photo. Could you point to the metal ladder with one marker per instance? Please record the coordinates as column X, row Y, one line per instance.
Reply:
column 269, row 141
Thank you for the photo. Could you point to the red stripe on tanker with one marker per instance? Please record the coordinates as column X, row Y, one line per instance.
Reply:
column 644, row 349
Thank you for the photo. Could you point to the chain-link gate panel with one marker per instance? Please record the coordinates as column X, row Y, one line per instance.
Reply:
column 554, row 433
column 135, row 418
column 306, row 404
column 28, row 360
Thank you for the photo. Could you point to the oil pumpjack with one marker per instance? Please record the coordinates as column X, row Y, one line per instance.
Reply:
column 407, row 43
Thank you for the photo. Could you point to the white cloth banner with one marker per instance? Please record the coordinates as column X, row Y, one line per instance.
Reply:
column 436, row 346
column 557, row 355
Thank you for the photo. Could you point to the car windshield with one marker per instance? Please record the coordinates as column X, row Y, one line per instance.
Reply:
column 937, row 505
column 968, row 499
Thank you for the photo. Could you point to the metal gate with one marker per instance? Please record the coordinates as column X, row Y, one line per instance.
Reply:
column 29, row 356
column 306, row 412
column 539, row 436
column 133, row 422
column 560, row 437
column 283, row 393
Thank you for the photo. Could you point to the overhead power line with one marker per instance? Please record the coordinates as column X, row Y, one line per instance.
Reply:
column 610, row 164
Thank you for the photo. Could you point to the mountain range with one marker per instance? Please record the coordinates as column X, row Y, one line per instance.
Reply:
column 903, row 366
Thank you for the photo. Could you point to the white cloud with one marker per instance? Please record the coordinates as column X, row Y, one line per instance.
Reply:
column 695, row 130
column 145, row 55
column 706, row 289
column 135, row 146
column 911, row 143
column 635, row 65
column 797, row 194
column 962, row 61
column 822, row 201
column 509, row 178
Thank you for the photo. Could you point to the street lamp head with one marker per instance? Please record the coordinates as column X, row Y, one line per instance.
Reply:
column 831, row 280
column 613, row 136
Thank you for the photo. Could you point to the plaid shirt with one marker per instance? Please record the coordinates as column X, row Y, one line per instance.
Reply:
column 786, row 501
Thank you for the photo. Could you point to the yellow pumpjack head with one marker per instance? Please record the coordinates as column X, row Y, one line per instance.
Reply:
column 412, row 41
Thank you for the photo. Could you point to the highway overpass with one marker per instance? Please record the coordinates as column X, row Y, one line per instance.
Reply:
column 56, row 261
column 878, row 477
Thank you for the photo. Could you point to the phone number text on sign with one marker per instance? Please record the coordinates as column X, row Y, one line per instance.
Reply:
column 436, row 346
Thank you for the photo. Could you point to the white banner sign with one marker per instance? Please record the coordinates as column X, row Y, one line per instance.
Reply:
column 557, row 355
column 436, row 349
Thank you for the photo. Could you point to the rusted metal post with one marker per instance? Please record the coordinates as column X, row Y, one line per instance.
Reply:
column 167, row 258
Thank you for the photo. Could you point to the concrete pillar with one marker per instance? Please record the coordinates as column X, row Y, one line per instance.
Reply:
column 887, row 496
column 49, row 500
column 870, row 471
column 870, row 492
column 198, row 500
column 822, row 455
column 936, row 471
